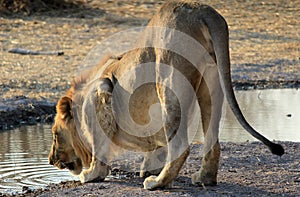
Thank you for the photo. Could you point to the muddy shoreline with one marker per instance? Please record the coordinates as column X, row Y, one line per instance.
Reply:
column 20, row 110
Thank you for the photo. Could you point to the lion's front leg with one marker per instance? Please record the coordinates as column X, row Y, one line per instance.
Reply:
column 168, row 174
column 153, row 162
column 97, row 172
column 175, row 128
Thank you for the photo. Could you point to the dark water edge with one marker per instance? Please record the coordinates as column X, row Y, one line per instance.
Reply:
column 265, row 84
column 21, row 110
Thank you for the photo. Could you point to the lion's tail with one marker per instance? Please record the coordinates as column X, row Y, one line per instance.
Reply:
column 221, row 48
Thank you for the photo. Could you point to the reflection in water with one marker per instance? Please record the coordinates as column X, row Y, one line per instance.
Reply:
column 23, row 159
column 24, row 151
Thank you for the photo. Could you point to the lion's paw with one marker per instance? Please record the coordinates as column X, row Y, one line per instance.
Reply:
column 196, row 178
column 151, row 182
column 199, row 179
column 84, row 177
column 88, row 177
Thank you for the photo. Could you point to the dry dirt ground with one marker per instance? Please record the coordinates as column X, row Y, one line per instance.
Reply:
column 264, row 42
column 265, row 53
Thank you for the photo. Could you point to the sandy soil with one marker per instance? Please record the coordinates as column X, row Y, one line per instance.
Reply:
column 265, row 53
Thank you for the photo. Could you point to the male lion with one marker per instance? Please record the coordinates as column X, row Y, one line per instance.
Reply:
column 77, row 142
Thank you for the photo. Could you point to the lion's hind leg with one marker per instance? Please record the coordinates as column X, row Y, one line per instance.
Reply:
column 210, row 97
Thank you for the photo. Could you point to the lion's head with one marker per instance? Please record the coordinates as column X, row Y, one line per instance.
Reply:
column 67, row 150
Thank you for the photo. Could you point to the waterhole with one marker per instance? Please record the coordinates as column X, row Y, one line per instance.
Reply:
column 24, row 162
column 24, row 151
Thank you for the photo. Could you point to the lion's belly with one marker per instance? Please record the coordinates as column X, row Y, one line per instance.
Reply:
column 139, row 119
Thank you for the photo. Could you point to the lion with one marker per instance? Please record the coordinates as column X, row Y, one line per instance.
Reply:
column 76, row 142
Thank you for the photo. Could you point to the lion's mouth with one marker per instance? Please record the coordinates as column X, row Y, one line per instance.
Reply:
column 70, row 166
column 74, row 166
column 63, row 165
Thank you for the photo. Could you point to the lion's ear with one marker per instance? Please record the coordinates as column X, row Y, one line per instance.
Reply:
column 64, row 108
column 114, row 80
column 106, row 85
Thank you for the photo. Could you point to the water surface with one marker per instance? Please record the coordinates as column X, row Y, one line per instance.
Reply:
column 274, row 113
column 24, row 162
column 24, row 151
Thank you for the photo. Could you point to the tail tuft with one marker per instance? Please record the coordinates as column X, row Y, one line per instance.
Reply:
column 277, row 149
